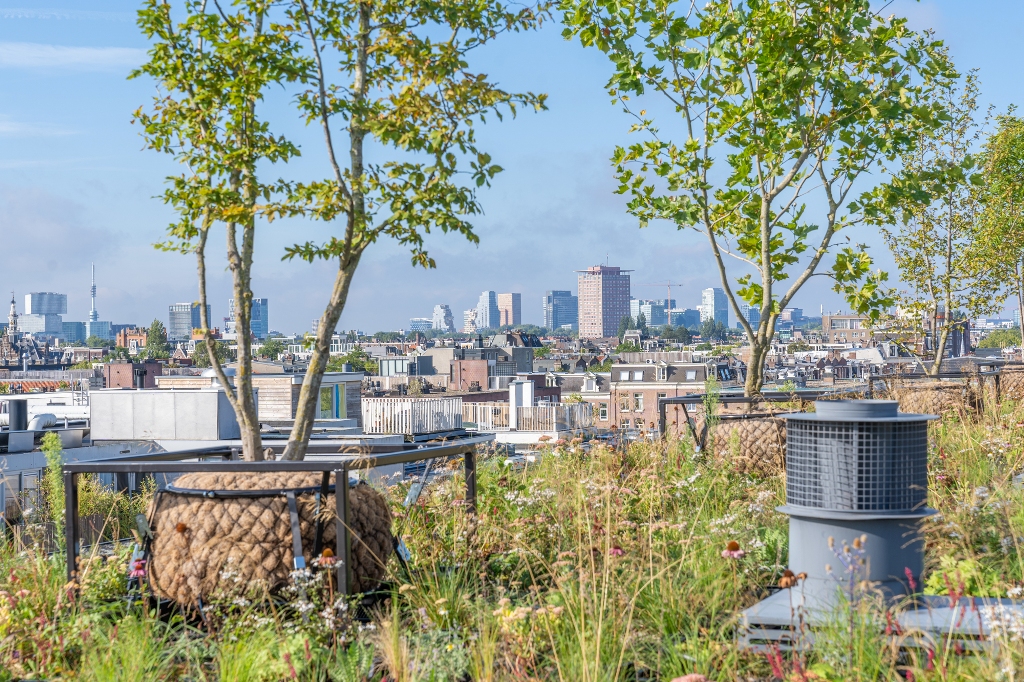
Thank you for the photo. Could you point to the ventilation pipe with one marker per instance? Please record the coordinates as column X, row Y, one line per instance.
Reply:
column 18, row 410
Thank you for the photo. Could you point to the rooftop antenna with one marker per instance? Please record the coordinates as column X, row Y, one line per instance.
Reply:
column 93, row 315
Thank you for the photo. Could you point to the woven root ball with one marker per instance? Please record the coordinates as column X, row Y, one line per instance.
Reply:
column 1011, row 383
column 753, row 445
column 937, row 399
column 202, row 546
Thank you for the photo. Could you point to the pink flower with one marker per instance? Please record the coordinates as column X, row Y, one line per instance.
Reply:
column 733, row 551
column 910, row 578
column 616, row 551
column 138, row 569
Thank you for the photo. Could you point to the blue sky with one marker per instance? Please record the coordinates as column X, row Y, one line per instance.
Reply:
column 76, row 185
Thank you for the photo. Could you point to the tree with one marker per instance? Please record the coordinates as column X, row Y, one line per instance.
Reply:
column 769, row 112
column 405, row 104
column 201, row 355
column 1001, row 338
column 641, row 324
column 678, row 334
column 97, row 342
column 939, row 245
column 712, row 330
column 271, row 348
column 156, row 341
column 357, row 358
column 625, row 324
column 213, row 69
column 1003, row 214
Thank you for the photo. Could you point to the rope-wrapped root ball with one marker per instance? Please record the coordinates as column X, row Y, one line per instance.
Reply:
column 204, row 544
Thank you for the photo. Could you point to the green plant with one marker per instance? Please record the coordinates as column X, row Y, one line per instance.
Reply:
column 1001, row 338
column 53, row 481
column 136, row 648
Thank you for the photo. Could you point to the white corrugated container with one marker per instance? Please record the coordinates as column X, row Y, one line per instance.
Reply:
column 125, row 414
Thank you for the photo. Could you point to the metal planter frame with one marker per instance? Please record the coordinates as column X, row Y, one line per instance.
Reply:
column 367, row 457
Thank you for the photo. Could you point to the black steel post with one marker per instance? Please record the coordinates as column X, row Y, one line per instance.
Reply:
column 469, row 461
column 71, row 522
column 344, row 545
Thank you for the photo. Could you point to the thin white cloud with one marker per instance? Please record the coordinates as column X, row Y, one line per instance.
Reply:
column 9, row 128
column 63, row 14
column 41, row 56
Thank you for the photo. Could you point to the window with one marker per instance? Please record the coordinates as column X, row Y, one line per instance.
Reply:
column 639, row 422
column 691, row 375
column 326, row 410
column 602, row 411
column 638, row 376
column 624, row 404
column 591, row 385
column 663, row 374
column 662, row 395
column 638, row 402
column 623, row 376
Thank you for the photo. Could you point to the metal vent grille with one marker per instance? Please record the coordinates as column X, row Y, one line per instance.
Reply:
column 857, row 466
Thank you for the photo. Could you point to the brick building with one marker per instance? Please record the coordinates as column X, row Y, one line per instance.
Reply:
column 132, row 338
column 122, row 374
column 604, row 295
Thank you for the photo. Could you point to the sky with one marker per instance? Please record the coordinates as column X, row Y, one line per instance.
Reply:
column 78, row 186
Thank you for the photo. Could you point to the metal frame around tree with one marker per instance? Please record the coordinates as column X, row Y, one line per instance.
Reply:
column 365, row 458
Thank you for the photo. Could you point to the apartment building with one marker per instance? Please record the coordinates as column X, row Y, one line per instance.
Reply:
column 604, row 294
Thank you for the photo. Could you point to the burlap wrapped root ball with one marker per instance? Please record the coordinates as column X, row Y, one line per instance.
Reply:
column 1011, row 383
column 752, row 445
column 202, row 546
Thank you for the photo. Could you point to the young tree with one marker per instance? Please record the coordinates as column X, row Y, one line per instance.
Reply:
column 1003, row 215
column 770, row 112
column 201, row 355
column 641, row 324
column 213, row 68
column 156, row 340
column 404, row 108
column 939, row 246
column 625, row 324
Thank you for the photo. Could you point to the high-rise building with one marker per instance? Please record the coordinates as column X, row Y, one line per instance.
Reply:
column 653, row 311
column 603, row 300
column 73, row 332
column 510, row 309
column 714, row 306
column 469, row 321
column 43, row 310
column 689, row 318
column 751, row 313
column 487, row 316
column 421, row 324
column 259, row 318
column 561, row 310
column 46, row 303
column 443, row 319
column 183, row 318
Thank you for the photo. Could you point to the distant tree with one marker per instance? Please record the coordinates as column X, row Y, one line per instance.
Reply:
column 201, row 356
column 641, row 324
column 542, row 352
column 678, row 334
column 156, row 341
column 712, row 330
column 1001, row 338
column 629, row 347
column 387, row 337
column 117, row 353
column 96, row 342
column 759, row 118
column 797, row 347
column 625, row 324
column 271, row 348
column 357, row 358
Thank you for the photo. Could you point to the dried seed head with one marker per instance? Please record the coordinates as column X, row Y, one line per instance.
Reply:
column 733, row 546
column 181, row 527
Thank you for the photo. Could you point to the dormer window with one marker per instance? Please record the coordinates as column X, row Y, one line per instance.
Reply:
column 663, row 373
column 624, row 376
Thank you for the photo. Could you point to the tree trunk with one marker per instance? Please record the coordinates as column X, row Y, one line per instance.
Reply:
column 309, row 394
column 940, row 348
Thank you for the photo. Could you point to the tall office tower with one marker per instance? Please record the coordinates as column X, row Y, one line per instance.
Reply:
column 653, row 311
column 714, row 306
column 259, row 320
column 561, row 310
column 603, row 300
column 751, row 313
column 487, row 316
column 443, row 319
column 510, row 309
column 183, row 318
column 43, row 310
column 469, row 321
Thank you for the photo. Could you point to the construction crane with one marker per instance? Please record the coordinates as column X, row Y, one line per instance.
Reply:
column 668, row 286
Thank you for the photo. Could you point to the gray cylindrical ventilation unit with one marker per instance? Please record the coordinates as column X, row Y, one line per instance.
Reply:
column 18, row 410
column 856, row 468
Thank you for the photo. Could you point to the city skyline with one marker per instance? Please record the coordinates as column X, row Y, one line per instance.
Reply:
column 74, row 171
